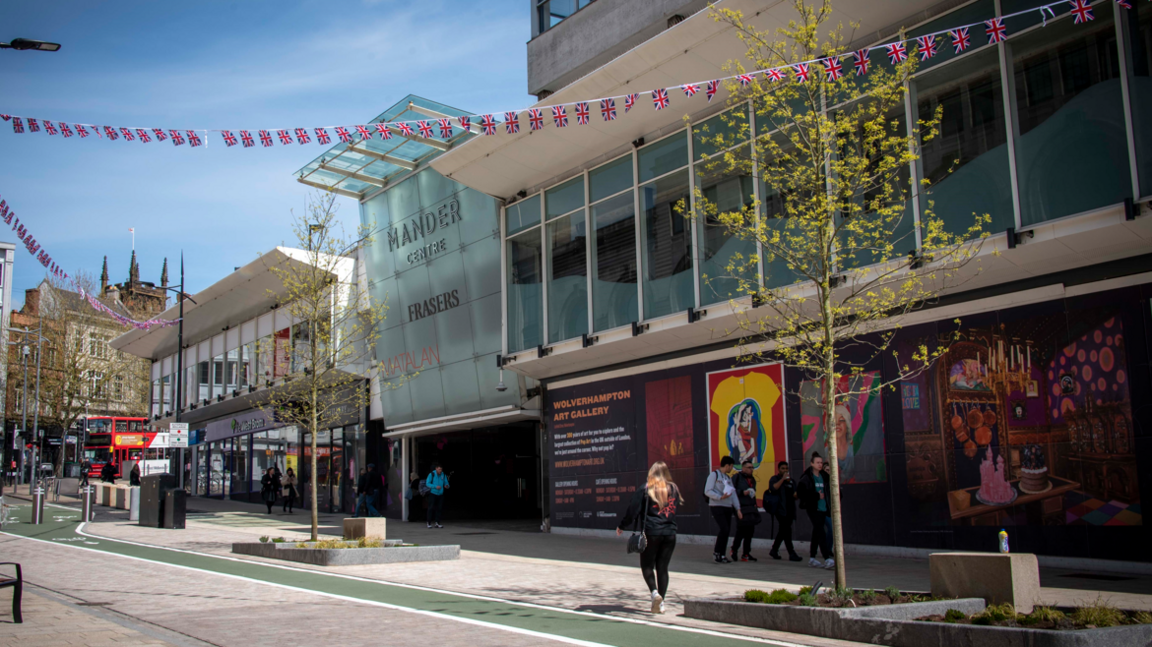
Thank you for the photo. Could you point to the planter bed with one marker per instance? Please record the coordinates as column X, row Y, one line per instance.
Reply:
column 393, row 551
column 897, row 625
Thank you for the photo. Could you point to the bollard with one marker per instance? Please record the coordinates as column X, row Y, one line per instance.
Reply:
column 88, row 497
column 134, row 504
column 38, row 504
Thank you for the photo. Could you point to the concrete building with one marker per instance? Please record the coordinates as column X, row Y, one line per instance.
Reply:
column 606, row 305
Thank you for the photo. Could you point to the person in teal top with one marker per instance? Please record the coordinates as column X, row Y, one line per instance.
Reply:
column 437, row 482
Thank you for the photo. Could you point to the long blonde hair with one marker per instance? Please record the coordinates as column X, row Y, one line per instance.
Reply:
column 660, row 483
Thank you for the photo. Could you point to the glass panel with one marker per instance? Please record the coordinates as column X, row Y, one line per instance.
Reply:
column 218, row 375
column 565, row 198
column 724, row 257
column 266, row 350
column 667, row 246
column 204, row 379
column 202, row 473
column 614, row 288
column 664, row 156
column 976, row 12
column 720, row 132
column 217, row 475
column 967, row 161
column 155, row 398
column 232, row 371
column 240, row 467
column 191, row 385
column 567, row 277
column 1032, row 15
column 166, row 389
column 525, row 292
column 522, row 215
column 338, row 480
column 282, row 343
column 247, row 364
column 1140, row 36
column 1069, row 104
column 610, row 179
column 301, row 347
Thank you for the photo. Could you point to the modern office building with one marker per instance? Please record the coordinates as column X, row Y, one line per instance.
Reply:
column 607, row 306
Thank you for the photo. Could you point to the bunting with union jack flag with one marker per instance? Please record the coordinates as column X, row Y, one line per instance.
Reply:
column 445, row 127
column 49, row 127
column 512, row 122
column 405, row 129
column 630, row 101
column 535, row 119
column 343, row 134
column 246, row 139
column 285, row 137
column 177, row 138
column 194, row 138
column 127, row 134
column 265, row 138
column 159, row 132
column 660, row 99
column 711, row 89
column 142, row 135
column 559, row 116
column 488, row 125
column 302, row 136
column 465, row 123
column 608, row 109
column 322, row 136
column 385, row 134
column 582, row 113
column 229, row 138
column 364, row 133
column 425, row 129
column 65, row 130
column 862, row 62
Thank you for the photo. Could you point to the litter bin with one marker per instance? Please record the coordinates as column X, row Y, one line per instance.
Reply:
column 152, row 489
column 175, row 508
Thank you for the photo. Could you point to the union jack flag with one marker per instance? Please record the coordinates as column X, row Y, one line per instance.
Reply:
column 465, row 123
column 65, row 130
column 302, row 136
column 775, row 75
column 425, row 129
column 862, row 62
column 285, row 137
column 160, row 136
column 960, row 39
column 445, row 128
column 364, row 132
column 927, row 46
column 833, row 68
column 127, row 135
column 49, row 127
column 608, row 109
column 488, row 125
column 246, row 139
column 711, row 89
column 690, row 89
column 265, row 138
column 81, row 130
column 405, row 129
column 385, row 134
column 582, row 113
column 559, row 116
column 801, row 72
column 33, row 127
column 630, row 101
column 229, row 138
column 343, row 134
column 535, row 119
column 194, row 138
column 660, row 99
column 1082, row 10
column 996, row 30
column 142, row 135
column 108, row 130
column 322, row 136
column 177, row 138
column 1124, row 3
column 745, row 80
column 512, row 122
column 897, row 52
column 6, row 117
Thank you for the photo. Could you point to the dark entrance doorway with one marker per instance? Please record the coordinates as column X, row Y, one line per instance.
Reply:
column 495, row 472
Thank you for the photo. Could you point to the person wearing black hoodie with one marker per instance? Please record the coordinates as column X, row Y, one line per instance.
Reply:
column 812, row 493
column 781, row 502
column 656, row 505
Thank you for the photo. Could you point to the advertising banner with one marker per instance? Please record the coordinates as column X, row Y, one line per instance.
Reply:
column 746, row 419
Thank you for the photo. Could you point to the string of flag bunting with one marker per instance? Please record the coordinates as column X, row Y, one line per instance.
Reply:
column 926, row 47
column 8, row 216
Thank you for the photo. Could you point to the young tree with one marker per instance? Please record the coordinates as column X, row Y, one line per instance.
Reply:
column 835, row 222
column 336, row 325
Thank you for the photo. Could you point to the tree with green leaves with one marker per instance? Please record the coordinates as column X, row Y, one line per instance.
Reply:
column 843, row 252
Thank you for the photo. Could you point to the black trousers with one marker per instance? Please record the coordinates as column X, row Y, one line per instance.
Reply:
column 784, row 534
column 435, row 507
column 654, row 562
column 723, row 517
column 290, row 498
column 743, row 536
column 820, row 537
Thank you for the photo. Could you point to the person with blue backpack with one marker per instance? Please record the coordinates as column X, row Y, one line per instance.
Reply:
column 435, row 484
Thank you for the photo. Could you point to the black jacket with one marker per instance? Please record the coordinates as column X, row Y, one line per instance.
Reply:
column 108, row 473
column 806, row 488
column 661, row 522
column 369, row 483
column 742, row 483
column 269, row 488
column 781, row 501
column 134, row 475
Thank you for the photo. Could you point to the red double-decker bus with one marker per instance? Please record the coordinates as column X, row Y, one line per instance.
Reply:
column 117, row 439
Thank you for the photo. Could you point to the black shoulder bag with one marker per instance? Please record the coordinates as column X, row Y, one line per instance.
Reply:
column 639, row 540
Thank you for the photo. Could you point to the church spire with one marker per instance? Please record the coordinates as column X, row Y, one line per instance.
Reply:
column 164, row 274
column 133, row 270
column 104, row 277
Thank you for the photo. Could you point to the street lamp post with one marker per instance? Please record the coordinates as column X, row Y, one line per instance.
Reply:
column 181, row 295
column 26, row 44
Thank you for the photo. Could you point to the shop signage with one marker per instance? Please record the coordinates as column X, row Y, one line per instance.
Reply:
column 421, row 228
column 178, row 434
column 240, row 424
column 436, row 304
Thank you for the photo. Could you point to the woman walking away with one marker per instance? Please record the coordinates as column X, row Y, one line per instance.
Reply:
column 656, row 504
column 268, row 489
column 289, row 490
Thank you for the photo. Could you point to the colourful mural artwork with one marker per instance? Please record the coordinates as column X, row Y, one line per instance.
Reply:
column 858, row 424
column 746, row 418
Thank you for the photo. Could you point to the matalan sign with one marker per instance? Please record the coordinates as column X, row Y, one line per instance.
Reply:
column 178, row 434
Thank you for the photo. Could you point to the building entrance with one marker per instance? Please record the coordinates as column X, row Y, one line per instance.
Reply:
column 495, row 472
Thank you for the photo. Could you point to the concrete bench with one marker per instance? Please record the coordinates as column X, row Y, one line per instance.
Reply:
column 120, row 497
column 358, row 527
column 996, row 577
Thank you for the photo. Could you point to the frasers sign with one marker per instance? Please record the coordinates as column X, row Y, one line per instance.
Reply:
column 421, row 229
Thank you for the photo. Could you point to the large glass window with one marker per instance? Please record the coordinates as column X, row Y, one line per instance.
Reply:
column 614, row 261
column 1140, row 90
column 522, row 215
column 567, row 277
column 525, row 290
column 1072, row 150
column 247, row 364
column 966, row 162
column 232, row 371
column 552, row 12
column 667, row 245
column 218, row 375
column 240, row 467
column 281, row 360
column 204, row 380
column 726, row 186
column 166, row 384
column 662, row 157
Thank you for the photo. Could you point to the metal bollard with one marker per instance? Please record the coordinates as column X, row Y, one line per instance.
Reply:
column 88, row 501
column 38, row 504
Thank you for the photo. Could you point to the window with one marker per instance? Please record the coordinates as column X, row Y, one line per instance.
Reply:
column 218, row 375
column 204, row 380
column 567, row 261
column 550, row 13
column 727, row 188
column 118, row 388
column 525, row 258
column 666, row 240
column 1140, row 87
column 614, row 252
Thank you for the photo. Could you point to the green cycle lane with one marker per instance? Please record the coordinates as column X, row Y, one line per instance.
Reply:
column 61, row 526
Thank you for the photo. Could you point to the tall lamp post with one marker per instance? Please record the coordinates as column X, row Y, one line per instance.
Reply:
column 181, row 295
column 25, row 351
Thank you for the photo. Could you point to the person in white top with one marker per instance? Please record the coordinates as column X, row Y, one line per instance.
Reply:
column 723, row 502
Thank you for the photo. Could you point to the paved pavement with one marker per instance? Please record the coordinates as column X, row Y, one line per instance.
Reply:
column 50, row 620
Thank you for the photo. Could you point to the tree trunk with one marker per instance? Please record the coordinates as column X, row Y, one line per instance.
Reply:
column 312, row 485
column 833, row 493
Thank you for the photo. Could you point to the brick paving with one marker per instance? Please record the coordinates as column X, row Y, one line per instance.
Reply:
column 48, row 622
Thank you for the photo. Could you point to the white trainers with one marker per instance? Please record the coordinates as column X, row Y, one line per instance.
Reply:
column 815, row 563
column 657, row 603
column 830, row 564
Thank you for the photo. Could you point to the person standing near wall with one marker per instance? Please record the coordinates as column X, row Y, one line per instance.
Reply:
column 745, row 484
column 812, row 493
column 366, row 491
column 437, row 483
column 781, row 502
column 722, row 502
column 289, row 490
column 268, row 488
column 656, row 503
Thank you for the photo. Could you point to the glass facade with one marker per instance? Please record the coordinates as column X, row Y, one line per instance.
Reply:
column 1041, row 137
column 550, row 13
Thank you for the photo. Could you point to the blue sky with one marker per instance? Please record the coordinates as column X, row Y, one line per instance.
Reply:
column 204, row 64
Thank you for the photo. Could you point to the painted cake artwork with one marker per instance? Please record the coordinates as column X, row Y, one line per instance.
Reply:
column 1033, row 470
column 994, row 486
